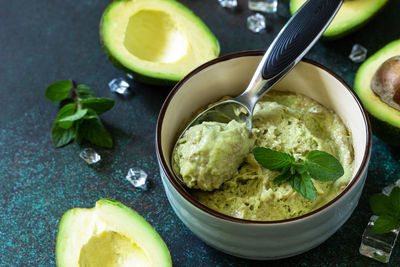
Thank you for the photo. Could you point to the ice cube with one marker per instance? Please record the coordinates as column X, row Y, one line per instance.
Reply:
column 138, row 178
column 119, row 86
column 269, row 6
column 256, row 22
column 90, row 156
column 358, row 53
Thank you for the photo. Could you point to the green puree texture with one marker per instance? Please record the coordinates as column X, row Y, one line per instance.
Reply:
column 289, row 123
column 210, row 153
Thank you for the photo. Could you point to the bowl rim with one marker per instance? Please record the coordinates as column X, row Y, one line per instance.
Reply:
column 186, row 195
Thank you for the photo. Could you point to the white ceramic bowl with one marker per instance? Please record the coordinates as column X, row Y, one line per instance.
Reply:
column 229, row 75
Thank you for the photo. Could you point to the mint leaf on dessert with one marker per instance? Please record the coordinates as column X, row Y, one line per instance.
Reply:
column 302, row 184
column 58, row 91
column 318, row 165
column 79, row 118
column 272, row 159
column 99, row 105
column 323, row 166
column 284, row 175
column 388, row 210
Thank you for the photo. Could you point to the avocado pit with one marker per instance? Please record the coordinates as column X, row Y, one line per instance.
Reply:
column 386, row 82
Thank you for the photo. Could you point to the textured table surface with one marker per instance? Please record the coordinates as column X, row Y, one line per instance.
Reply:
column 45, row 41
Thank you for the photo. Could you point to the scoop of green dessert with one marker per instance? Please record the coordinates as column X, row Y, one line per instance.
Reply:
column 285, row 122
column 210, row 153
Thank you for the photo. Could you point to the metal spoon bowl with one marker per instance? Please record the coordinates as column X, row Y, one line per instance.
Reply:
column 295, row 39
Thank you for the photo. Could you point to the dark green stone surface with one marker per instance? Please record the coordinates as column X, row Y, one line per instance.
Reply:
column 45, row 41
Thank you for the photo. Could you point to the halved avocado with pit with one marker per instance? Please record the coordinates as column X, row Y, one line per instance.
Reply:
column 352, row 15
column 157, row 41
column 385, row 115
column 109, row 235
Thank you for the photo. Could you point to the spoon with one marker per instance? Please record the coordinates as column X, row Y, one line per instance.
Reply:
column 295, row 39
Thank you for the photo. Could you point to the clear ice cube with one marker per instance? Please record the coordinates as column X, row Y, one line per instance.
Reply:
column 269, row 6
column 228, row 3
column 377, row 246
column 256, row 22
column 358, row 53
column 138, row 178
column 90, row 156
column 119, row 86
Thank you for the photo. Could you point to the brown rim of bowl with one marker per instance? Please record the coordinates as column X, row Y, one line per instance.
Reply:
column 185, row 194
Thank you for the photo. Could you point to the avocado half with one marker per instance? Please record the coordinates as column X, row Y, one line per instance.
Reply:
column 385, row 119
column 110, row 234
column 157, row 41
column 352, row 15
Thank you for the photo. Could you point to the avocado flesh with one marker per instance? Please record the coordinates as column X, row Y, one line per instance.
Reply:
column 158, row 41
column 385, row 119
column 352, row 15
column 109, row 235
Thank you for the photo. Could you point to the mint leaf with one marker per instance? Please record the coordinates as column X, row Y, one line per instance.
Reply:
column 78, row 132
column 323, row 166
column 66, row 111
column 78, row 120
column 299, row 168
column 302, row 184
column 385, row 224
column 271, row 159
column 59, row 90
column 94, row 131
column 395, row 199
column 84, row 91
column 284, row 175
column 381, row 204
column 67, row 122
column 61, row 136
column 99, row 105
column 91, row 114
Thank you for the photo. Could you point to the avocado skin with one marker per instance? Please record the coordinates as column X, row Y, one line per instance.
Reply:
column 148, row 78
column 69, row 216
column 137, row 76
column 385, row 131
column 345, row 32
column 382, row 122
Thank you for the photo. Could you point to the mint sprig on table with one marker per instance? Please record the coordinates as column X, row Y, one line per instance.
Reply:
column 388, row 210
column 78, row 119
column 318, row 165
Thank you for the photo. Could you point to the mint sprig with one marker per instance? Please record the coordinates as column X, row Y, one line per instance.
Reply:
column 78, row 119
column 318, row 165
column 388, row 210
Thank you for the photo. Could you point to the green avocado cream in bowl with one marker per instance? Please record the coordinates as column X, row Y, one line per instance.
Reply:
column 216, row 160
column 220, row 179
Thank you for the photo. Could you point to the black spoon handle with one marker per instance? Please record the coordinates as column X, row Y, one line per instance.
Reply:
column 299, row 35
